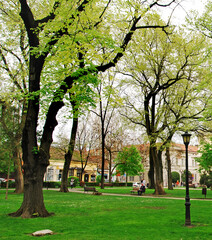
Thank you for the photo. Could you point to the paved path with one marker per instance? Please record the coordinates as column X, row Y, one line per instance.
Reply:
column 75, row 190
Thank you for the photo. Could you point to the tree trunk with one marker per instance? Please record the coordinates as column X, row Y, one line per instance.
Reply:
column 8, row 176
column 68, row 155
column 33, row 204
column 35, row 162
column 151, row 171
column 103, row 157
column 19, row 179
column 159, row 158
column 110, row 165
column 168, row 159
column 157, row 168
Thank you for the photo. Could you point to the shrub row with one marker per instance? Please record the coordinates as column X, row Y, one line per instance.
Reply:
column 51, row 184
column 117, row 184
column 10, row 185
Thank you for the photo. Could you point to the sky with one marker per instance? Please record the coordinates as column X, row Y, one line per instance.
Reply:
column 184, row 8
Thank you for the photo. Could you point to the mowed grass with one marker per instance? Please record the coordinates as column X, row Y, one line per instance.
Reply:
column 85, row 216
column 177, row 192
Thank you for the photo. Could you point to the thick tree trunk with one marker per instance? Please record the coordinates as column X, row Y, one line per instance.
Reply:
column 68, row 155
column 168, row 159
column 157, row 168
column 34, row 169
column 19, row 179
column 33, row 204
column 151, row 171
column 35, row 162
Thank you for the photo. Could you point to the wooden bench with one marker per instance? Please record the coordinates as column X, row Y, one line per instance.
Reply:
column 90, row 189
column 134, row 190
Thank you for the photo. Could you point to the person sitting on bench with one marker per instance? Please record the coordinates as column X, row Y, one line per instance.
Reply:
column 141, row 190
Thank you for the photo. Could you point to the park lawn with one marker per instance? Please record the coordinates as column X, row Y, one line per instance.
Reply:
column 85, row 216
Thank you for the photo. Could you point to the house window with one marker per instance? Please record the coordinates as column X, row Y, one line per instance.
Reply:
column 50, row 173
column 71, row 172
column 132, row 178
column 93, row 178
column 79, row 173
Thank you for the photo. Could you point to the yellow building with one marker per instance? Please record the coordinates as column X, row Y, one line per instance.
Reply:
column 54, row 170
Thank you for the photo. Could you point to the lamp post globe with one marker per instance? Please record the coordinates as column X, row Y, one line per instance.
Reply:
column 186, row 139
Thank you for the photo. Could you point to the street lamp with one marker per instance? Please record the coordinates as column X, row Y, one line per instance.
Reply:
column 186, row 139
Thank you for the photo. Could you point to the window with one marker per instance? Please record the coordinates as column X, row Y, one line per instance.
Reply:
column 71, row 172
column 93, row 178
column 50, row 173
column 132, row 178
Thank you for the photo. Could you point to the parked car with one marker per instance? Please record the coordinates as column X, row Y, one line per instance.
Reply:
column 2, row 180
column 10, row 180
column 136, row 184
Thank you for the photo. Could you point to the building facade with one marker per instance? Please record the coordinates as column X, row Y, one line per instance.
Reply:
column 55, row 168
column 93, row 168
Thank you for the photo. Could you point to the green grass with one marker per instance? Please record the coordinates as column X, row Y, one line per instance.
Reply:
column 86, row 216
column 177, row 192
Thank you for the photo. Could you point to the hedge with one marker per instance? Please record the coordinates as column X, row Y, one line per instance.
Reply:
column 51, row 184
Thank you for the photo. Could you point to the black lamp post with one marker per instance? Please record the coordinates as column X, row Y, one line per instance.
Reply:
column 186, row 139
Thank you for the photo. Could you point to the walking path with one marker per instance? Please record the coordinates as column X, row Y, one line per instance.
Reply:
column 75, row 190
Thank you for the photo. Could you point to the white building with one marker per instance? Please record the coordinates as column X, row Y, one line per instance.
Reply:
column 177, row 155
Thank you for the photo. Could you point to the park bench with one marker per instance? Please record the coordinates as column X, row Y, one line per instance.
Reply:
column 90, row 189
column 138, row 190
column 134, row 190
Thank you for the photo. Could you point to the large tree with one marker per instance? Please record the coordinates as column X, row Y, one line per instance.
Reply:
column 81, row 29
column 158, row 64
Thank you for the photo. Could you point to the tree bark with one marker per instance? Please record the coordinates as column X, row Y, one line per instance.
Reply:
column 103, row 157
column 151, row 171
column 168, row 159
column 157, row 168
column 68, row 155
column 19, row 179
column 34, row 162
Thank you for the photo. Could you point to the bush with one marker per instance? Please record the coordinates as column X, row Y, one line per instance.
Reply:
column 175, row 177
column 76, row 181
column 121, row 184
column 51, row 184
column 98, row 179
column 206, row 179
column 91, row 184
column 82, row 183
column 11, row 184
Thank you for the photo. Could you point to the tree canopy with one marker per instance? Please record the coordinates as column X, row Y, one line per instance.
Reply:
column 205, row 160
column 129, row 161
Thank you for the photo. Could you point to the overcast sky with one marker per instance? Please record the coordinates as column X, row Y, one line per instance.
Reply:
column 183, row 9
